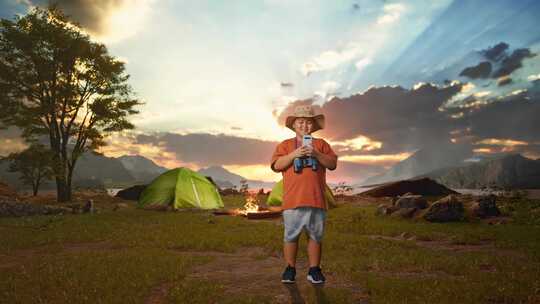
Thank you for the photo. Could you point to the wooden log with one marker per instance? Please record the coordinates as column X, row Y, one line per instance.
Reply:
column 226, row 212
column 263, row 215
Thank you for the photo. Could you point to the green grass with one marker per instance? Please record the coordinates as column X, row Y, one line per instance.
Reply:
column 144, row 249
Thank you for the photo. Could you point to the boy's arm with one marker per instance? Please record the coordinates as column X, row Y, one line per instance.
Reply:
column 283, row 162
column 328, row 161
column 326, row 156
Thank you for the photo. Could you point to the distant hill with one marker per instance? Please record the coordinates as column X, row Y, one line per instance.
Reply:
column 220, row 174
column 424, row 161
column 141, row 168
column 512, row 171
column 98, row 170
column 227, row 179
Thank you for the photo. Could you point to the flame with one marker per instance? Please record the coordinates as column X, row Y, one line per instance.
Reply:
column 251, row 204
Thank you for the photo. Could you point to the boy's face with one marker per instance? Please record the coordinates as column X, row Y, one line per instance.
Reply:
column 303, row 125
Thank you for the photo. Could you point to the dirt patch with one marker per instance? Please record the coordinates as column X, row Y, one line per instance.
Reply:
column 259, row 272
column 481, row 246
column 158, row 294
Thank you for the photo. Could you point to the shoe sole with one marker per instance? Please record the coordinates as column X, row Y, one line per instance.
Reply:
column 287, row 281
column 313, row 281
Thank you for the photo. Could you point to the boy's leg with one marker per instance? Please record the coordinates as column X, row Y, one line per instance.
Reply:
column 290, row 250
column 314, row 253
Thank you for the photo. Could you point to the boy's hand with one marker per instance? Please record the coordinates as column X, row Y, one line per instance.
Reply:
column 302, row 151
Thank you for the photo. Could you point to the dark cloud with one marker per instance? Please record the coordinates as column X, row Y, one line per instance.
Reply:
column 91, row 14
column 514, row 117
column 403, row 120
column 504, row 81
column 513, row 62
column 499, row 56
column 208, row 149
column 482, row 70
column 496, row 52
column 286, row 84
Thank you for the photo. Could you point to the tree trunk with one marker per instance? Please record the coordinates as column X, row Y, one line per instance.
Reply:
column 62, row 194
column 35, row 188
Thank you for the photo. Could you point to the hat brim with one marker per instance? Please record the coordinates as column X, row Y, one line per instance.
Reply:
column 318, row 119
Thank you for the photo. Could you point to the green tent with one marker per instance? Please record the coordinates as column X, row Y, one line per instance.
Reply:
column 276, row 196
column 181, row 188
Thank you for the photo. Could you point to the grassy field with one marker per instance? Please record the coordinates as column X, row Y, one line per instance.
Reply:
column 137, row 256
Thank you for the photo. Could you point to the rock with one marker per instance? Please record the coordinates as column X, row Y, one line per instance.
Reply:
column 383, row 209
column 16, row 209
column 88, row 207
column 120, row 206
column 447, row 209
column 404, row 212
column 412, row 201
column 131, row 193
column 486, row 206
column 405, row 235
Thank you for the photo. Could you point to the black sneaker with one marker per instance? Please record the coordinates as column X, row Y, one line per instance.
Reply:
column 288, row 275
column 315, row 275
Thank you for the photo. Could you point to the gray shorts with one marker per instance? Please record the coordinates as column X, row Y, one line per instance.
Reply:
column 304, row 218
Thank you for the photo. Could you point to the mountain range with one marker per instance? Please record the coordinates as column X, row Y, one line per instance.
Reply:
column 512, row 171
column 424, row 161
column 96, row 170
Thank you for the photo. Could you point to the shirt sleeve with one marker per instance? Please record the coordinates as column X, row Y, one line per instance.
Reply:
column 280, row 151
column 326, row 149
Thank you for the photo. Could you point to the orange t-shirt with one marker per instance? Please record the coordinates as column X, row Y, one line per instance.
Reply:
column 304, row 189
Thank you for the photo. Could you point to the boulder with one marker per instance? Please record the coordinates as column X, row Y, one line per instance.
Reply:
column 447, row 209
column 412, row 201
column 404, row 212
column 131, row 193
column 485, row 206
column 383, row 209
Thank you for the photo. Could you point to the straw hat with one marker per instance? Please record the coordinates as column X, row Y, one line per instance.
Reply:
column 306, row 111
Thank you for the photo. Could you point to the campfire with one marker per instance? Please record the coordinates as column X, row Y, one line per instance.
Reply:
column 251, row 209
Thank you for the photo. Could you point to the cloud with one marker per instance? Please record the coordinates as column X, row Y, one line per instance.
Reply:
column 533, row 77
column 496, row 52
column 401, row 119
column 482, row 70
column 108, row 20
column 11, row 141
column 511, row 117
column 350, row 172
column 505, row 80
column 207, row 149
column 286, row 84
column 392, row 12
column 330, row 59
column 361, row 64
column 513, row 62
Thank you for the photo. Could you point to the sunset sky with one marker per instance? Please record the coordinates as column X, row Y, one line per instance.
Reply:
column 392, row 77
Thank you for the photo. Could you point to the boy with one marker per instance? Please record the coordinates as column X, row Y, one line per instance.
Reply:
column 304, row 205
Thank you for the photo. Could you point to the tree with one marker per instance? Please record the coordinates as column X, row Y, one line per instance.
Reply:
column 243, row 186
column 35, row 164
column 343, row 188
column 56, row 82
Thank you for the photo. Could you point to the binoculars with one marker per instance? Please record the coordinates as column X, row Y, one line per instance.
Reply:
column 303, row 162
column 300, row 163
